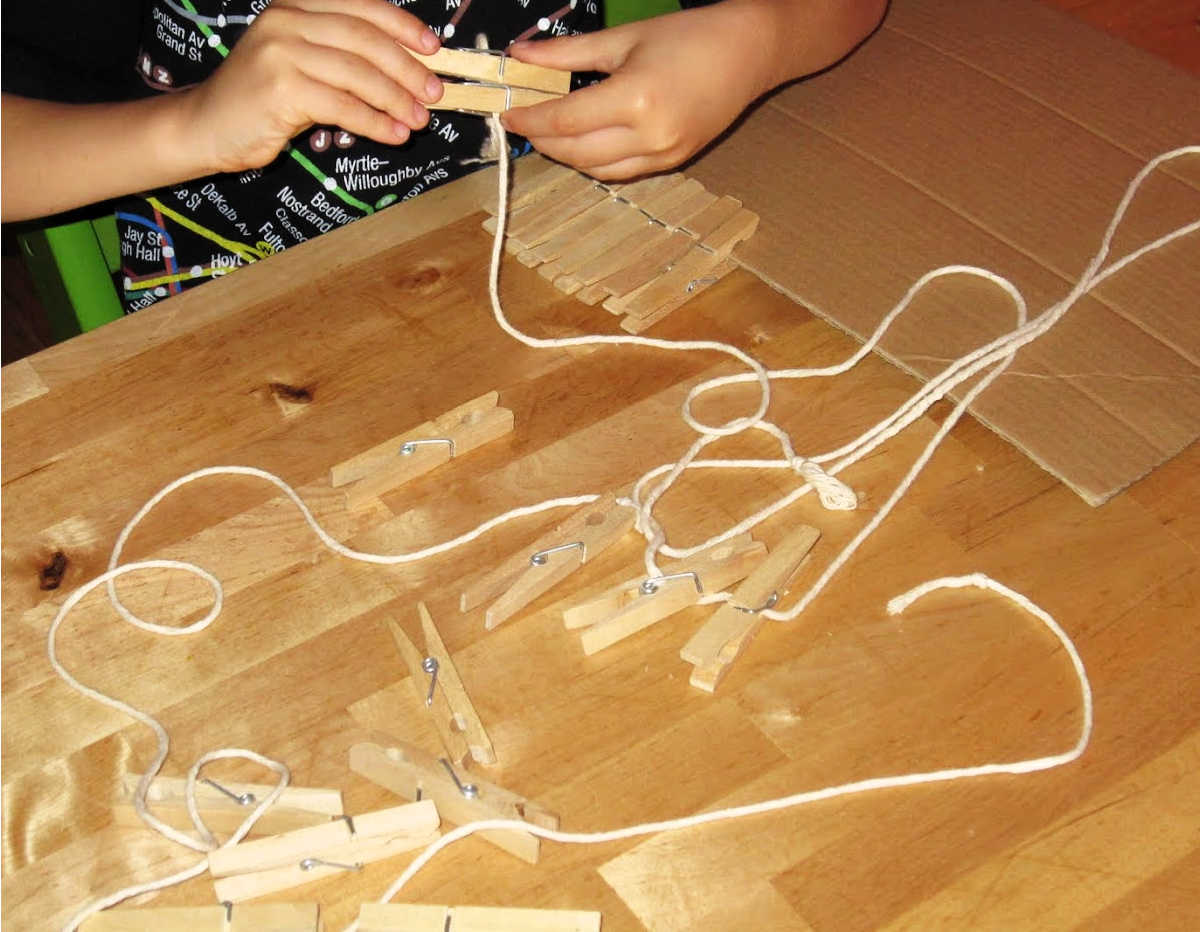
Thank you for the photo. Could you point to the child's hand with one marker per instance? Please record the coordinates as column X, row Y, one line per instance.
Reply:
column 337, row 62
column 677, row 81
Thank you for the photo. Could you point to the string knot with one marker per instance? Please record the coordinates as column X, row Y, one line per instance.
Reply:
column 835, row 495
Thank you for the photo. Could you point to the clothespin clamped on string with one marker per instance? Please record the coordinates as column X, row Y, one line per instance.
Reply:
column 412, row 917
column 224, row 806
column 254, row 917
column 256, row 868
column 424, row 447
column 725, row 635
column 529, row 572
column 410, row 772
column 638, row 603
column 493, row 81
column 440, row 689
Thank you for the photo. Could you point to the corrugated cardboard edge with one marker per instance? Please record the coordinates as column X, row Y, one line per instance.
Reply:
column 1003, row 52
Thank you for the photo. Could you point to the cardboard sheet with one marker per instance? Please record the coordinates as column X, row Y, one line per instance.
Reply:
column 997, row 133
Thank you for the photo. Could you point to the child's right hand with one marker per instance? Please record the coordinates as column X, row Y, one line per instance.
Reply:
column 305, row 62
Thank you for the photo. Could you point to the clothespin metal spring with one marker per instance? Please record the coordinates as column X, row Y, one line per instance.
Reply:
column 540, row 558
column 651, row 585
column 771, row 600
column 309, row 863
column 469, row 790
column 430, row 666
column 242, row 799
column 409, row 447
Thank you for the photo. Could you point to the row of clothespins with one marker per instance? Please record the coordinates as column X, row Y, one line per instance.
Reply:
column 627, row 608
column 641, row 249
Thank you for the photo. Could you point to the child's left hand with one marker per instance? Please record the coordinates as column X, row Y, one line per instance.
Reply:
column 675, row 82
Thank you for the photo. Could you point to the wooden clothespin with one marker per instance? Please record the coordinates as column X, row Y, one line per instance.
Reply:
column 253, row 917
column 529, row 572
column 724, row 636
column 224, row 806
column 411, row 917
column 440, row 689
column 638, row 603
column 414, row 774
column 256, row 868
column 417, row 451
column 493, row 81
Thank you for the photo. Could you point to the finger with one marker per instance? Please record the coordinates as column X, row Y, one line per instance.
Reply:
column 401, row 26
column 627, row 169
column 342, row 33
column 359, row 78
column 583, row 111
column 328, row 106
column 606, row 146
column 605, row 51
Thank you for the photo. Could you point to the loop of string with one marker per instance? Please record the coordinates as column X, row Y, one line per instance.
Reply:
column 819, row 473
column 207, row 842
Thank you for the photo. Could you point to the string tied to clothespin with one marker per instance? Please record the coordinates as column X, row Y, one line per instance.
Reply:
column 834, row 494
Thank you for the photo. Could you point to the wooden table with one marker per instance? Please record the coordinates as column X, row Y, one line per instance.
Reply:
column 385, row 324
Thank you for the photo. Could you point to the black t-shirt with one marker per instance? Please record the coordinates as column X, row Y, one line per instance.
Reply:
column 74, row 51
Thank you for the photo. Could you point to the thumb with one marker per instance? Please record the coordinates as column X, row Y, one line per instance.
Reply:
column 604, row 51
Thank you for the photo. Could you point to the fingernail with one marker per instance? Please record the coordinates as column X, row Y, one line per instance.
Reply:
column 429, row 42
column 420, row 114
column 433, row 88
column 402, row 133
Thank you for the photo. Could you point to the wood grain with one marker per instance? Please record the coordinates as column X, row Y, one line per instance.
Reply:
column 386, row 324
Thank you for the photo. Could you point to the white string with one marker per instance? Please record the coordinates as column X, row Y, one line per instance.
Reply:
column 819, row 472
column 126, row 893
column 324, row 536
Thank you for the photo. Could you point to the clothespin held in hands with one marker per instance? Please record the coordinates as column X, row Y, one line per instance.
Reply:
column 493, row 81
column 410, row 772
column 638, row 603
column 718, row 644
column 440, row 690
column 254, row 917
column 424, row 447
column 410, row 917
column 224, row 806
column 528, row 573
column 256, row 868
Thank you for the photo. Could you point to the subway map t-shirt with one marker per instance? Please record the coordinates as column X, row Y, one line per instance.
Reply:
column 178, row 237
